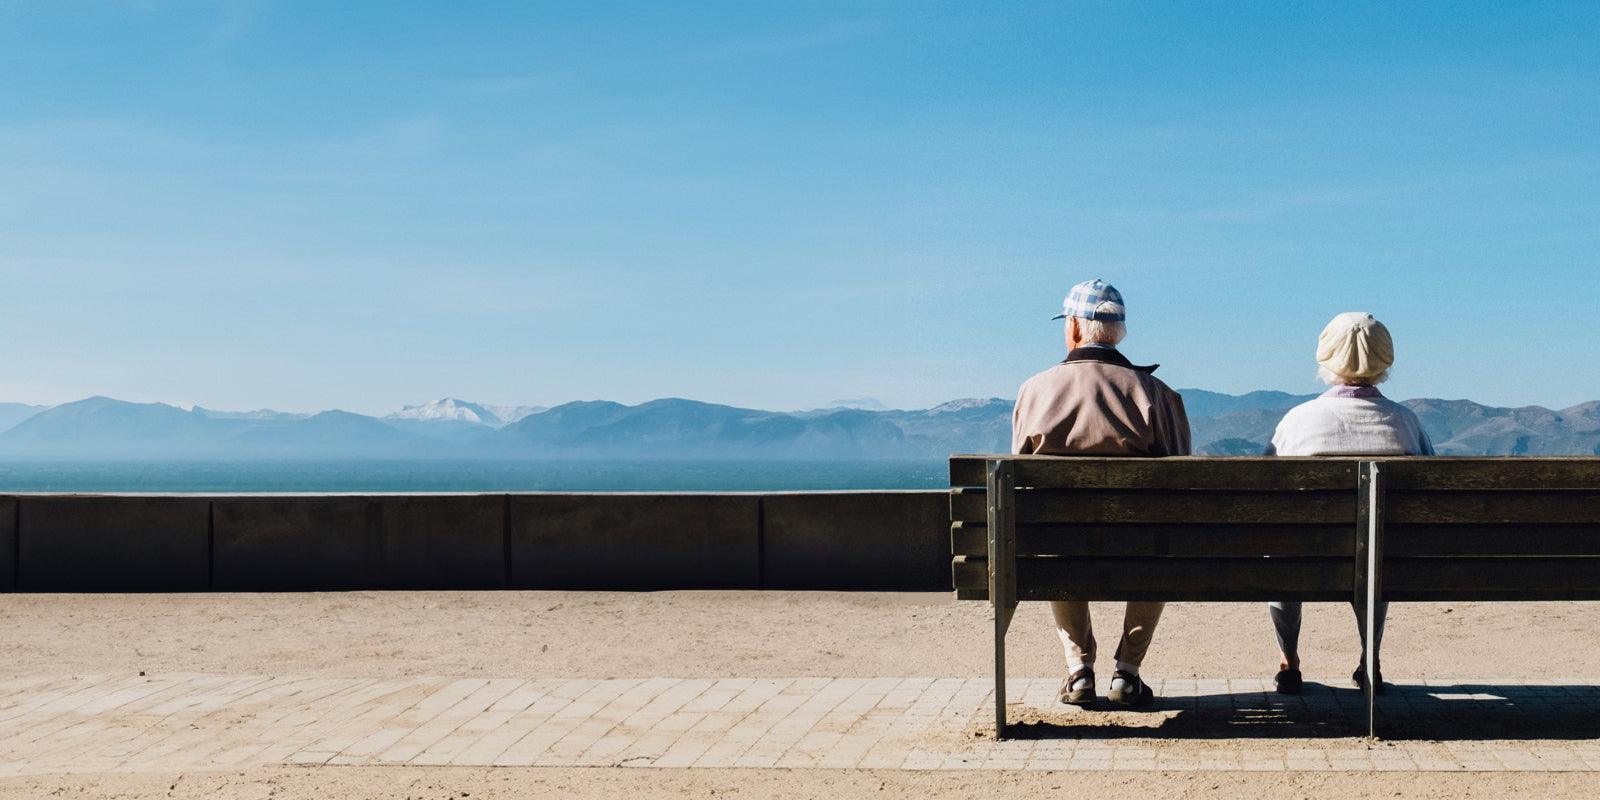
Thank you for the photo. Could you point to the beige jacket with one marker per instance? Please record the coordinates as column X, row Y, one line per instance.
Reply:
column 1097, row 404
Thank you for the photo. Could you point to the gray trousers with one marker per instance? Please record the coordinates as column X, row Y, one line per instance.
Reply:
column 1286, row 624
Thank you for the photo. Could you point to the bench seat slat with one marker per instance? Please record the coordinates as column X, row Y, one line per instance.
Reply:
column 1176, row 579
column 1494, row 507
column 1492, row 578
column 1491, row 473
column 1162, row 506
column 1434, row 540
column 1174, row 539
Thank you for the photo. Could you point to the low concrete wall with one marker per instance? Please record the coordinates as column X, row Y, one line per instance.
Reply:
column 877, row 540
column 8, row 544
column 113, row 544
column 635, row 541
column 805, row 540
column 315, row 543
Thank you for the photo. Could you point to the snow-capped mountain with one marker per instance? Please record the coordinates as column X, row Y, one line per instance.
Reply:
column 452, row 410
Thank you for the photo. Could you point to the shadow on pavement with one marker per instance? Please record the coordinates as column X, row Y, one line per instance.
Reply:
column 1454, row 712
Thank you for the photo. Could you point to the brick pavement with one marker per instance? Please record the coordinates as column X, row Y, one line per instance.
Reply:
column 132, row 723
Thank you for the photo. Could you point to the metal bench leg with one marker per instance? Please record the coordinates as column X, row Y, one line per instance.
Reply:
column 1369, row 580
column 1002, row 621
column 1002, row 576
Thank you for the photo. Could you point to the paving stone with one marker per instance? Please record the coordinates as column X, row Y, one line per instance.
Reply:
column 196, row 722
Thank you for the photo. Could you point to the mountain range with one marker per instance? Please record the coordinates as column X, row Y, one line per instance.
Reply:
column 105, row 428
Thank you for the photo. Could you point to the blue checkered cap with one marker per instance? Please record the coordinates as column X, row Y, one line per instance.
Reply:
column 1094, row 299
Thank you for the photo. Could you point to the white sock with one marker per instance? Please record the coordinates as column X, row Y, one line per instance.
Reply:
column 1131, row 669
column 1073, row 668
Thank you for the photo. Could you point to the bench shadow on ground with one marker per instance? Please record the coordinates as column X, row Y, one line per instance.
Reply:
column 1454, row 712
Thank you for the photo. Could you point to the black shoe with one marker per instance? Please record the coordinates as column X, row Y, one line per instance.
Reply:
column 1360, row 678
column 1134, row 692
column 1080, row 697
column 1288, row 681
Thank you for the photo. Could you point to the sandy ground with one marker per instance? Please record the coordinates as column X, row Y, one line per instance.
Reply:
column 746, row 634
column 737, row 634
column 361, row 783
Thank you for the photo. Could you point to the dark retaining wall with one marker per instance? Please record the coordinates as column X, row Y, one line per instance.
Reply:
column 801, row 540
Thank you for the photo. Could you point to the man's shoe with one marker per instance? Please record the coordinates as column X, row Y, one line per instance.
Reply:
column 1288, row 681
column 1084, row 694
column 1129, row 690
column 1360, row 678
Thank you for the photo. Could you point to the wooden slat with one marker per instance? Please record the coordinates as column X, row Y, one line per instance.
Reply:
column 1133, row 505
column 1281, row 474
column 1491, row 507
column 1512, row 472
column 969, row 505
column 1076, row 472
column 1493, row 540
column 1175, row 539
column 968, row 470
column 1175, row 579
column 969, row 539
column 969, row 575
column 1492, row 578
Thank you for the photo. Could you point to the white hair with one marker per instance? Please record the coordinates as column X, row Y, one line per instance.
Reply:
column 1099, row 331
column 1332, row 378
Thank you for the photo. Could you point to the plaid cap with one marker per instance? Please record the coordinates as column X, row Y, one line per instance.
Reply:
column 1094, row 299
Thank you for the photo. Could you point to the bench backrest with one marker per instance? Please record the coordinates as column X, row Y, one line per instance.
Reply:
column 1490, row 529
column 1163, row 529
column 1282, row 528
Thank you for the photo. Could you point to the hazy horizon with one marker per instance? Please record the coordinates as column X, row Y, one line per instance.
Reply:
column 841, row 404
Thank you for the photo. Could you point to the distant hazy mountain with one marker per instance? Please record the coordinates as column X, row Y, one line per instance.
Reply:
column 101, row 427
column 332, row 434
column 1462, row 427
column 104, row 428
column 677, row 428
column 1457, row 427
column 862, row 403
column 13, row 413
column 973, row 425
column 262, row 415
column 1201, row 403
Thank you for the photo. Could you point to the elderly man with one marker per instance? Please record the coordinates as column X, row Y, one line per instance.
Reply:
column 1097, row 403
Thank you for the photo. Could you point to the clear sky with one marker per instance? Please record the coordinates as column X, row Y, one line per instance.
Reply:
column 360, row 205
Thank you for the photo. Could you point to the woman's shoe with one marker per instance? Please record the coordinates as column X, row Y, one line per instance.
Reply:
column 1360, row 677
column 1288, row 681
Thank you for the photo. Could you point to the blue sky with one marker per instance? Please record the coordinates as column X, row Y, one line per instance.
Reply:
column 359, row 205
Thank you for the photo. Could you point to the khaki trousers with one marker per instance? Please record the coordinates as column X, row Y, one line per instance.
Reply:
column 1077, row 631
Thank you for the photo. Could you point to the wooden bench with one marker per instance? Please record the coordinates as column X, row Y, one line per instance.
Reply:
column 1260, row 529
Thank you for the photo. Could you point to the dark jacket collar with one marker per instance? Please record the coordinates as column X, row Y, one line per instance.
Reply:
column 1105, row 355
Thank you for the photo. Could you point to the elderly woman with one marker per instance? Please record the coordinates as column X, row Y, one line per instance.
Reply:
column 1353, row 418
